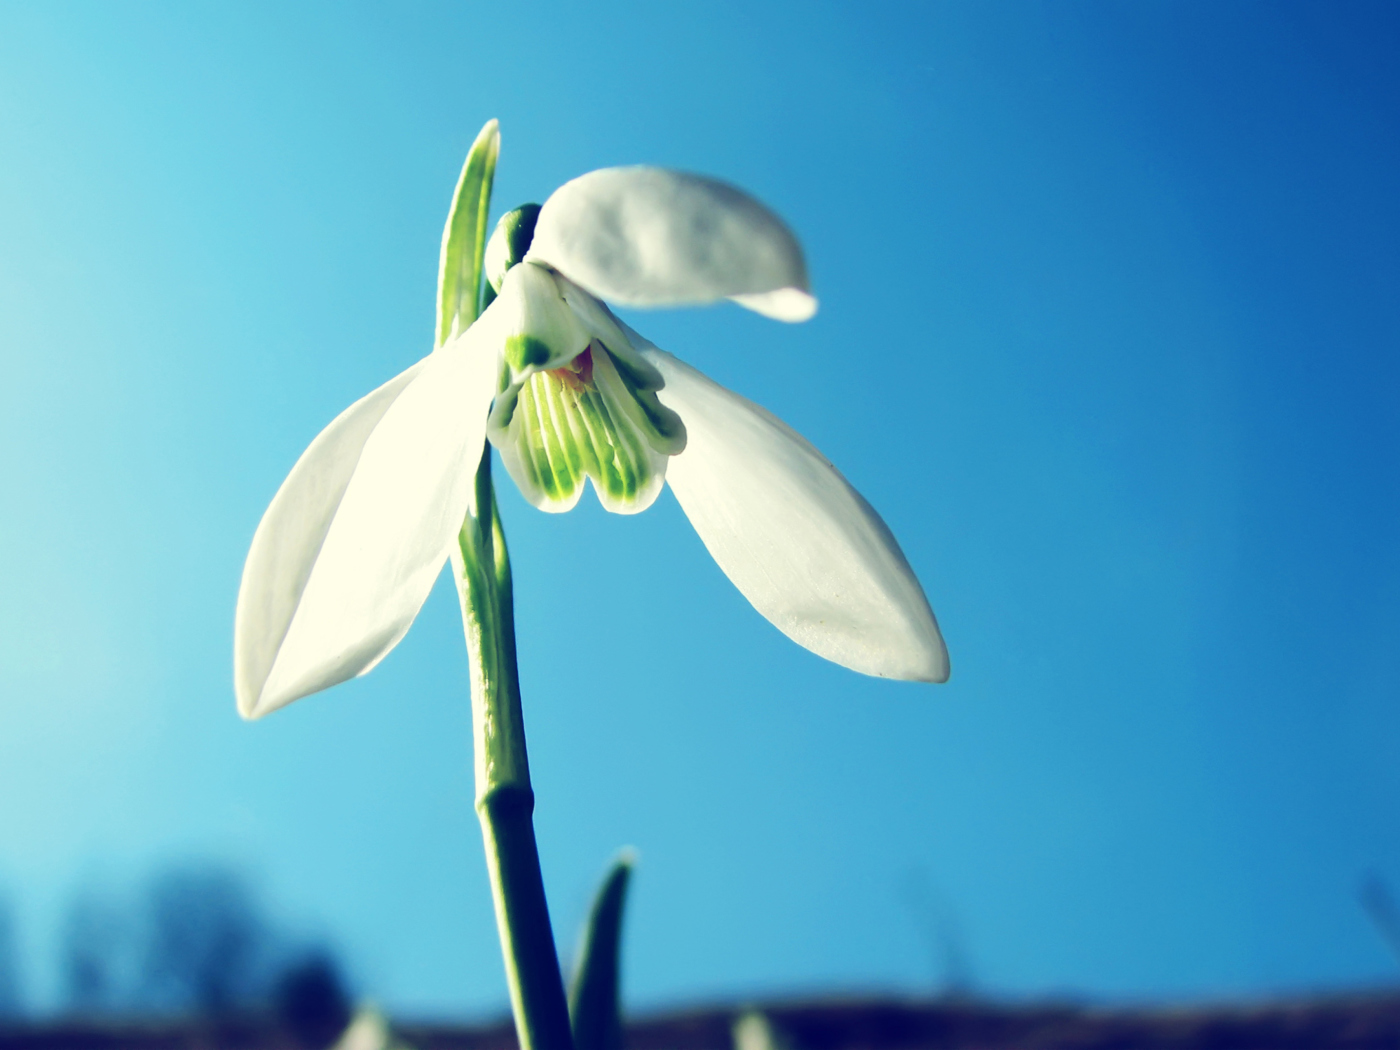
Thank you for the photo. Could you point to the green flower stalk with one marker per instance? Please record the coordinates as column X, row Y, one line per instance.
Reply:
column 505, row 801
column 529, row 360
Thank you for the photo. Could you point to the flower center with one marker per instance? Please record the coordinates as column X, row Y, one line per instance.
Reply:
column 577, row 375
column 596, row 417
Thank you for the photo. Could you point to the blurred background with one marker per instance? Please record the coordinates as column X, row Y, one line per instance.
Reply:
column 1108, row 335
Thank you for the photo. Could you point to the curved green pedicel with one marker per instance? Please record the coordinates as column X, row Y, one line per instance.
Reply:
column 590, row 419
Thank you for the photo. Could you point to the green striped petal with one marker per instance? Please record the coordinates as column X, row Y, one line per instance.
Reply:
column 594, row 418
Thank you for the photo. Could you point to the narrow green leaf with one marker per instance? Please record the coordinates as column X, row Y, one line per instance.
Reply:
column 595, row 995
column 464, row 237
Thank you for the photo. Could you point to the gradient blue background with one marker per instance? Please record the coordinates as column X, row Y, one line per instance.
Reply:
column 1108, row 334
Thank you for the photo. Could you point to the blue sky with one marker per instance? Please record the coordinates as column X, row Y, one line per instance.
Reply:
column 1108, row 335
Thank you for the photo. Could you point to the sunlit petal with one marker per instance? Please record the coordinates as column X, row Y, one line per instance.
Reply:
column 355, row 538
column 291, row 533
column 792, row 534
column 784, row 304
column 651, row 237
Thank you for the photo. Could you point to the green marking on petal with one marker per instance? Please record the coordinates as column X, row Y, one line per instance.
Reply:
column 662, row 422
column 638, row 373
column 544, row 447
column 525, row 351
column 585, row 421
column 617, row 476
column 563, row 481
column 540, row 331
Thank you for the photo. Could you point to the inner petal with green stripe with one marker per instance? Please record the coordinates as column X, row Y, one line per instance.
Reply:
column 596, row 417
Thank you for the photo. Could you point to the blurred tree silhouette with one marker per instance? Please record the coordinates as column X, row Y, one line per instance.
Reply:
column 95, row 955
column 936, row 923
column 311, row 1000
column 208, row 947
column 11, row 990
column 195, row 942
column 1376, row 898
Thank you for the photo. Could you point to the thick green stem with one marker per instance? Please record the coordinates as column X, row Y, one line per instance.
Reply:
column 505, row 801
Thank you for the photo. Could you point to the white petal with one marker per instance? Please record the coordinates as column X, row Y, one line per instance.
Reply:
column 292, row 531
column 785, row 304
column 540, row 329
column 356, row 536
column 794, row 537
column 652, row 237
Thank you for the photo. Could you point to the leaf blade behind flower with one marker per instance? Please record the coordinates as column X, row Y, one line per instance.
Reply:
column 464, row 237
column 595, row 996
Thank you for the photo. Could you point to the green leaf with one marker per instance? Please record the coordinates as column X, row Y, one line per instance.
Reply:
column 595, row 997
column 464, row 237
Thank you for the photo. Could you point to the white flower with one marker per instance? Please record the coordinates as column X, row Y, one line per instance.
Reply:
column 350, row 547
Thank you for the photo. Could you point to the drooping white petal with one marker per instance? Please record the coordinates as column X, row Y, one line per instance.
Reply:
column 354, row 539
column 291, row 533
column 651, row 237
column 792, row 534
column 784, row 304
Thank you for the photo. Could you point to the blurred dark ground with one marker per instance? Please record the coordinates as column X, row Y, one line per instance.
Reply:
column 1363, row 1021
column 194, row 941
column 192, row 962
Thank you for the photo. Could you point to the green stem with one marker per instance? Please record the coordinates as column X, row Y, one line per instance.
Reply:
column 505, row 801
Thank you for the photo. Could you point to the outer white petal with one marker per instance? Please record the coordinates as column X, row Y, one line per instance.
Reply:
column 291, row 533
column 792, row 534
column 652, row 237
column 356, row 536
column 784, row 304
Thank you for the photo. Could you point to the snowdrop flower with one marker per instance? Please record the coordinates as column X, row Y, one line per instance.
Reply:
column 353, row 541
